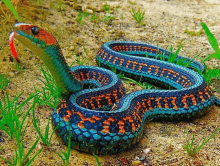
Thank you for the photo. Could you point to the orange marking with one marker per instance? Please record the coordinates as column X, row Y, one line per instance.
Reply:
column 166, row 105
column 158, row 102
column 121, row 62
column 141, row 66
column 173, row 101
column 87, row 75
column 115, row 59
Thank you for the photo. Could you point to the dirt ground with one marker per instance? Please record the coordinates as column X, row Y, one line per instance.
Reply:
column 165, row 23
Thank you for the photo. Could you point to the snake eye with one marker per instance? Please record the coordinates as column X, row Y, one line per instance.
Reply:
column 35, row 30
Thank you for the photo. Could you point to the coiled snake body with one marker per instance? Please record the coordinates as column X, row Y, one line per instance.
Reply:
column 103, row 119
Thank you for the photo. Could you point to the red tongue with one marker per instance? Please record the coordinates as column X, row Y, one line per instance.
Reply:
column 14, row 52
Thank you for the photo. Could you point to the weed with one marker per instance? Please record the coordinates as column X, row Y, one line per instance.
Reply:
column 106, row 7
column 193, row 149
column 95, row 18
column 44, row 138
column 108, row 18
column 50, row 94
column 138, row 15
column 213, row 42
column 211, row 73
column 193, row 33
column 80, row 16
column 66, row 155
column 97, row 160
column 18, row 67
column 10, row 112
column 3, row 82
column 11, row 7
column 11, row 124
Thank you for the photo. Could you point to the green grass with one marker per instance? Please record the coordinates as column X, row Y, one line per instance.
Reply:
column 95, row 18
column 106, row 7
column 97, row 160
column 138, row 15
column 11, row 7
column 45, row 138
column 193, row 33
column 193, row 149
column 50, row 94
column 108, row 18
column 11, row 111
column 13, row 123
column 65, row 156
column 3, row 82
column 210, row 74
column 80, row 16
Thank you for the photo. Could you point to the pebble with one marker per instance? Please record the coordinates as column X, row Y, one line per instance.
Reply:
column 136, row 163
column 146, row 151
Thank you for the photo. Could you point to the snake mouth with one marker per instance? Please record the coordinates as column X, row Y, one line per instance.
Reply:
column 12, row 47
column 27, row 40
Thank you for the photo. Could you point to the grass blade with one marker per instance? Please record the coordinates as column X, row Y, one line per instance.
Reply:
column 11, row 7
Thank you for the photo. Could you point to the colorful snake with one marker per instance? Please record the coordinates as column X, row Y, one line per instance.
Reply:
column 102, row 118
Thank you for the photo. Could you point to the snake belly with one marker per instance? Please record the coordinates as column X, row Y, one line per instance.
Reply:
column 105, row 120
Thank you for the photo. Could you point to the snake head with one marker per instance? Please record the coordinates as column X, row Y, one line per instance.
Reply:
column 33, row 37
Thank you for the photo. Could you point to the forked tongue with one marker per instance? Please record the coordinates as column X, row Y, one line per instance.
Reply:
column 12, row 47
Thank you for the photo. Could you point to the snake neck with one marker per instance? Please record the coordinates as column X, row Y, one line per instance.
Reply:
column 55, row 62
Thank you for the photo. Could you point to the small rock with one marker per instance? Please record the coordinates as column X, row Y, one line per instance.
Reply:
column 90, row 11
column 136, row 163
column 146, row 151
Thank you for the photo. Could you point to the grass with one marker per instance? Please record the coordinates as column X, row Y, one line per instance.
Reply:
column 80, row 17
column 11, row 7
column 13, row 123
column 10, row 110
column 45, row 138
column 138, row 15
column 3, row 82
column 97, row 160
column 65, row 156
column 193, row 33
column 106, row 7
column 108, row 18
column 50, row 94
column 193, row 149
column 95, row 18
column 209, row 74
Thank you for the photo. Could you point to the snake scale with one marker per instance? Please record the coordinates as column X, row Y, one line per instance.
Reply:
column 103, row 118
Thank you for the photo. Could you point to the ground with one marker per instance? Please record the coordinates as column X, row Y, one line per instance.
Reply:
column 166, row 23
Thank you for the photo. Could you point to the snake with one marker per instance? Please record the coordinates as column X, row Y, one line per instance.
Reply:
column 96, row 110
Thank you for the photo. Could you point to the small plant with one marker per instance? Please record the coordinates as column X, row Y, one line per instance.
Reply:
column 95, row 18
column 97, row 160
column 193, row 33
column 106, row 7
column 211, row 73
column 11, row 124
column 65, row 156
column 80, row 16
column 10, row 110
column 193, row 149
column 3, row 82
column 138, row 15
column 50, row 94
column 11, row 7
column 108, row 18
column 46, row 139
